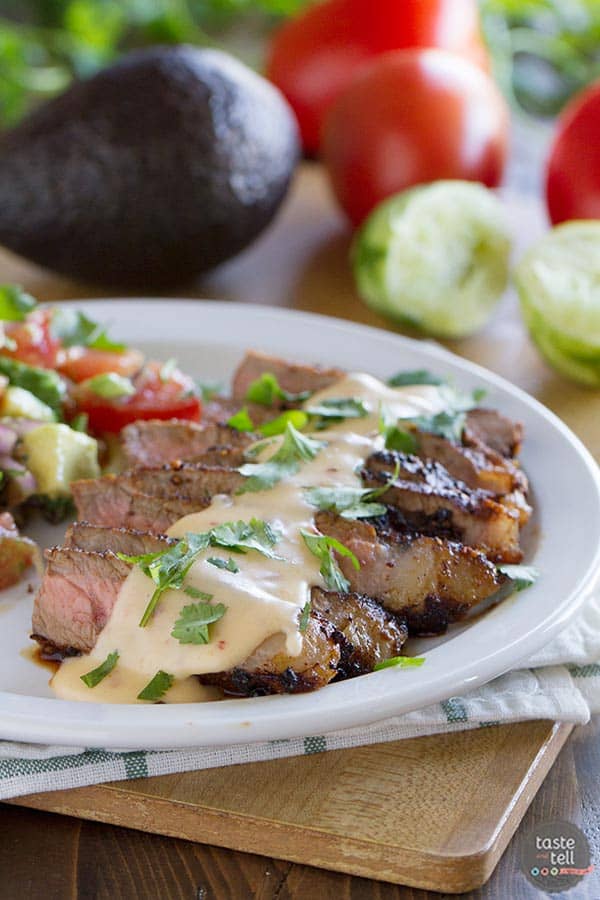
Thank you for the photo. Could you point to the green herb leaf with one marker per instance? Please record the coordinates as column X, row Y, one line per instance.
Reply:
column 337, row 410
column 414, row 376
column 304, row 617
column 167, row 369
column 295, row 417
column 91, row 679
column 241, row 421
column 522, row 577
column 192, row 625
column 400, row 662
column 295, row 449
column 266, row 390
column 348, row 502
column 45, row 384
column 229, row 565
column 322, row 546
column 450, row 422
column 396, row 437
column 209, row 390
column 195, row 594
column 156, row 687
column 15, row 303
column 168, row 568
column 110, row 386
column 73, row 329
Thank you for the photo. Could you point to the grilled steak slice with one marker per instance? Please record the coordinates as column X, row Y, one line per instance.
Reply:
column 151, row 499
column 488, row 428
column 427, row 581
column 370, row 633
column 156, row 442
column 433, row 502
column 292, row 377
column 79, row 590
column 269, row 670
column 76, row 597
column 108, row 501
column 98, row 538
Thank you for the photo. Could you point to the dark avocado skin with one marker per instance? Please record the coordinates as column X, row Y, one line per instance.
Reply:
column 151, row 172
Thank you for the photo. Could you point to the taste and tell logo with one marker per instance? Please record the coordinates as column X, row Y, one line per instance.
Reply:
column 556, row 856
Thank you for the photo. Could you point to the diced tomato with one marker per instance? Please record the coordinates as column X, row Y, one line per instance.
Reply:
column 80, row 363
column 35, row 344
column 156, row 397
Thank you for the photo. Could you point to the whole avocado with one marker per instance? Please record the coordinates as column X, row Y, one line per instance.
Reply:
column 151, row 172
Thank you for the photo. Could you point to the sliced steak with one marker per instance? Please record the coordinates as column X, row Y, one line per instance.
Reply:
column 433, row 502
column 151, row 499
column 489, row 428
column 76, row 597
column 370, row 633
column 98, row 538
column 156, row 442
column 478, row 468
column 427, row 581
column 292, row 377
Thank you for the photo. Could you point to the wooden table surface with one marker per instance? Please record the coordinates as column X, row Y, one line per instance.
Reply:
column 302, row 263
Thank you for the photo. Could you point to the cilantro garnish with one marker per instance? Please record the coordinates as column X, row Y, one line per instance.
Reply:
column 351, row 502
column 156, row 687
column 15, row 303
column 45, row 384
column 522, row 577
column 110, row 386
column 295, row 449
column 73, row 329
column 322, row 546
column 91, row 679
column 266, row 390
column 168, row 568
column 400, row 662
column 328, row 412
column 304, row 617
column 296, row 417
column 192, row 625
column 195, row 594
column 228, row 565
column 449, row 423
column 396, row 437
column 414, row 376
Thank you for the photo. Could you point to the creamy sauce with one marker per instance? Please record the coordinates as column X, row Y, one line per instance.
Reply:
column 266, row 596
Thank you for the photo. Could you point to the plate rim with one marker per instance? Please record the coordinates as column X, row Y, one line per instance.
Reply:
column 88, row 723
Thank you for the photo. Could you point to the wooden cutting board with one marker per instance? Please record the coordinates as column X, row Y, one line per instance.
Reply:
column 435, row 812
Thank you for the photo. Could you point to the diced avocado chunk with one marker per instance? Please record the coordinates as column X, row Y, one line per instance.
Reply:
column 17, row 402
column 57, row 455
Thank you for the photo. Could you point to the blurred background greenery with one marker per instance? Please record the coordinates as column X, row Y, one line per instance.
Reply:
column 543, row 50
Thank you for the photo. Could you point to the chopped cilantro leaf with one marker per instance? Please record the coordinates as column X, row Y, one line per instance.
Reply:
column 400, row 662
column 350, row 502
column 229, row 565
column 73, row 329
column 414, row 376
column 15, row 303
column 295, row 449
column 522, row 577
column 266, row 390
column 296, row 417
column 396, row 437
column 339, row 409
column 156, row 687
column 195, row 594
column 192, row 625
column 91, row 679
column 323, row 547
column 304, row 617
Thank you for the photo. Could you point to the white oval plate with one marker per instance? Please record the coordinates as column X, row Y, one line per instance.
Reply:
column 209, row 339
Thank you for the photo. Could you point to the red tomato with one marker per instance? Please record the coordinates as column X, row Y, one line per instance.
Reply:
column 315, row 56
column 409, row 117
column 573, row 171
column 153, row 399
column 35, row 344
column 79, row 363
